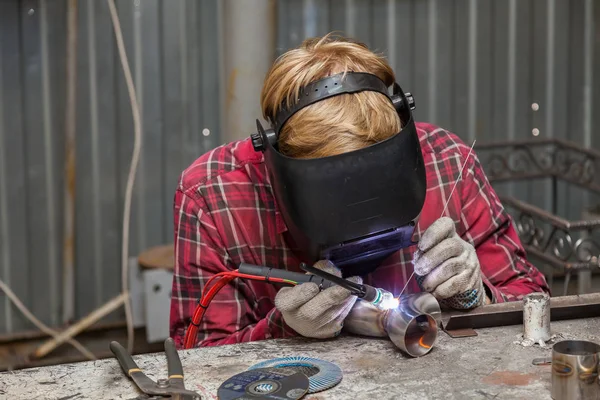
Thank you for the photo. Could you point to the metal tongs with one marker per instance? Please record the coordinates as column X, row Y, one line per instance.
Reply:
column 171, row 388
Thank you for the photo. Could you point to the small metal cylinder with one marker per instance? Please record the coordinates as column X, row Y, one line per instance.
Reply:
column 536, row 317
column 575, row 370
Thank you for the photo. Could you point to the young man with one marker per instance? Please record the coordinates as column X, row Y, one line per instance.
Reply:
column 236, row 204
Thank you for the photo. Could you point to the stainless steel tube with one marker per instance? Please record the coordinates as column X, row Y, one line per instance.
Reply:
column 536, row 317
column 412, row 326
column 366, row 319
column 248, row 35
column 575, row 370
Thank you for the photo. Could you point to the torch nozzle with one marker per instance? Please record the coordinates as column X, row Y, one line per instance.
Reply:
column 380, row 298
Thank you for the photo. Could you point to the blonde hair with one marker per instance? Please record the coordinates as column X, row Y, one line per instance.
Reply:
column 338, row 124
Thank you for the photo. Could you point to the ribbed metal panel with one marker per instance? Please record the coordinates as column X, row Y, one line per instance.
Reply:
column 173, row 55
column 477, row 66
column 474, row 66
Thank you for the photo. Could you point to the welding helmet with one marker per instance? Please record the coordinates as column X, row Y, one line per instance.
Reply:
column 355, row 208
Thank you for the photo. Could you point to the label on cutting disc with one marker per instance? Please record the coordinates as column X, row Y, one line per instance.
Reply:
column 322, row 375
column 265, row 383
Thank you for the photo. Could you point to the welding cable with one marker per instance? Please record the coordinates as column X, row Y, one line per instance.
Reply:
column 203, row 303
column 137, row 131
column 209, row 293
column 40, row 325
column 210, row 290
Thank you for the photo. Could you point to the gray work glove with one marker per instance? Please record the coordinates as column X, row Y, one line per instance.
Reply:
column 447, row 266
column 314, row 313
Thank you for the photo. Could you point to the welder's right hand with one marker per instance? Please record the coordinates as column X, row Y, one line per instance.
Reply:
column 314, row 313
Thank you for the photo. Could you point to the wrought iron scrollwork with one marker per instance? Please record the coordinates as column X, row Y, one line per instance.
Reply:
column 550, row 158
column 574, row 166
column 529, row 231
column 563, row 244
column 569, row 249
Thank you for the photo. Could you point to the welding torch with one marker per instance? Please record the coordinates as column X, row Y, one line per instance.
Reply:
column 380, row 298
column 376, row 296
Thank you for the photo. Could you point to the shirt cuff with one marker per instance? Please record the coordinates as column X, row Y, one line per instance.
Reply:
column 492, row 292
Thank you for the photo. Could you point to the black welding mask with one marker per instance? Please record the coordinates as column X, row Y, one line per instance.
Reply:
column 355, row 208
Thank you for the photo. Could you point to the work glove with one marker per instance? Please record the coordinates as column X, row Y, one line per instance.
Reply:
column 447, row 266
column 314, row 313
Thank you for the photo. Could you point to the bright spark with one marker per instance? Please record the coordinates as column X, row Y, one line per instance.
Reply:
column 389, row 302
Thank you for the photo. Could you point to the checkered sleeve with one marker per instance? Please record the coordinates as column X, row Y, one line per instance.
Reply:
column 199, row 254
column 507, row 273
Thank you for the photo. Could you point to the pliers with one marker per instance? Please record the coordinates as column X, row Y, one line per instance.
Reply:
column 171, row 388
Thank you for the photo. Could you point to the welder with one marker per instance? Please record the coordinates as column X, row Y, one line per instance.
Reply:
column 341, row 178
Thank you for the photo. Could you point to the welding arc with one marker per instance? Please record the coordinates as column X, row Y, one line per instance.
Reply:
column 210, row 291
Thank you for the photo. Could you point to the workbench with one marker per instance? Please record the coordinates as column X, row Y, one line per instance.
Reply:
column 487, row 366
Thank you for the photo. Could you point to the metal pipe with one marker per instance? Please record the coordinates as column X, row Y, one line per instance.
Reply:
column 559, row 263
column 556, row 221
column 536, row 317
column 575, row 370
column 540, row 143
column 69, row 196
column 249, row 32
column 412, row 326
column 366, row 319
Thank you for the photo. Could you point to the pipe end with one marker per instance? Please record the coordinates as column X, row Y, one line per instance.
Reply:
column 415, row 336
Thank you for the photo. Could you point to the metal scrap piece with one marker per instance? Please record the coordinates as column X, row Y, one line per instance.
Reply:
column 536, row 317
column 459, row 333
column 511, row 313
column 542, row 361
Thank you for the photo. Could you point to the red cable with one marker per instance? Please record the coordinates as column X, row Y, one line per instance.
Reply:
column 207, row 296
column 209, row 292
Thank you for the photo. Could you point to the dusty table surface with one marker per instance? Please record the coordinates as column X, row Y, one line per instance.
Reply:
column 492, row 365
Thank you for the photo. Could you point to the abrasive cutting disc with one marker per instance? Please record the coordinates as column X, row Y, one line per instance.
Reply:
column 321, row 374
column 265, row 383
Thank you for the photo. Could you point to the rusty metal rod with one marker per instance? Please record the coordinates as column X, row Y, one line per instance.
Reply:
column 522, row 176
column 540, row 143
column 516, row 143
column 241, row 79
column 547, row 216
column 511, row 313
column 69, row 197
column 559, row 263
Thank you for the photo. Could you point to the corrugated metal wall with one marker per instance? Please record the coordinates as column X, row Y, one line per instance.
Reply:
column 474, row 66
column 173, row 55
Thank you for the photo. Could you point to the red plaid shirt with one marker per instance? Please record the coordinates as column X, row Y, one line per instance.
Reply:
column 225, row 213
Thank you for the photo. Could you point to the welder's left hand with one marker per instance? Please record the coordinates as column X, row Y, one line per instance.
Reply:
column 447, row 266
